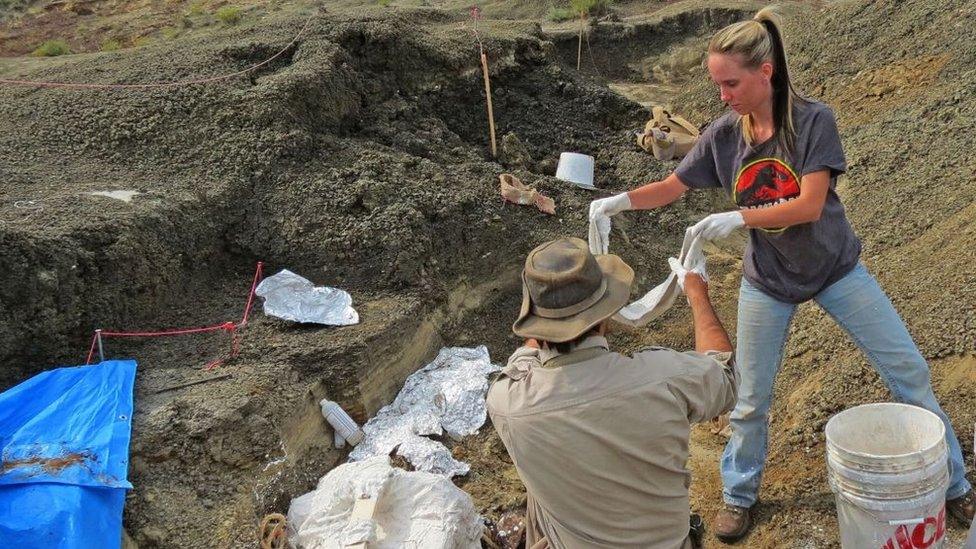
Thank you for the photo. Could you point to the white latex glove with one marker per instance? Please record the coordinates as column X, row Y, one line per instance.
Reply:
column 610, row 206
column 681, row 271
column 598, row 235
column 600, row 212
column 718, row 226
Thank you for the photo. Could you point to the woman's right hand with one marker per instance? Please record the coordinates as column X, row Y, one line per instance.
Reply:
column 600, row 212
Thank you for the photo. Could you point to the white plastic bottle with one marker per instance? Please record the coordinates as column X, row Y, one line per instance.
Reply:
column 344, row 425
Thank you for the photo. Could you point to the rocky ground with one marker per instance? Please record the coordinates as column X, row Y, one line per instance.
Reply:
column 360, row 159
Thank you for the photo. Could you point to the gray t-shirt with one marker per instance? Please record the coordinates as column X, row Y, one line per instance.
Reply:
column 794, row 263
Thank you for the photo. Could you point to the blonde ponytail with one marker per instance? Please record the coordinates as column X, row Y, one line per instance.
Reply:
column 759, row 41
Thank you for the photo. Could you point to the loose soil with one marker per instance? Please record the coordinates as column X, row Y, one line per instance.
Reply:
column 360, row 159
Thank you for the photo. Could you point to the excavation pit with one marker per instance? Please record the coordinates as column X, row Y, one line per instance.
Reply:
column 360, row 160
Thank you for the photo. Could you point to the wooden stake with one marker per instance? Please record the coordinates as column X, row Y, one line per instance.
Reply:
column 491, row 115
column 579, row 48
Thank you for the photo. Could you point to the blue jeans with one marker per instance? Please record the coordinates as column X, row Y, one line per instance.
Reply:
column 862, row 309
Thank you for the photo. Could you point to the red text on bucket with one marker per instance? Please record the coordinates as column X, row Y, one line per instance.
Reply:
column 922, row 535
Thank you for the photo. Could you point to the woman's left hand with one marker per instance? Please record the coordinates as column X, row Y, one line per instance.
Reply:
column 718, row 226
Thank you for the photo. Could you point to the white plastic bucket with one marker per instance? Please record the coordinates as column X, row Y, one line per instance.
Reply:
column 576, row 168
column 888, row 467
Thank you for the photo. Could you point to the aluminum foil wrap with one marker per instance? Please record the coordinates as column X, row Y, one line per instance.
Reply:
column 446, row 396
column 291, row 297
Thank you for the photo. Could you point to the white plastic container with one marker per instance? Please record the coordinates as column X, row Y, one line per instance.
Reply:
column 577, row 169
column 888, row 468
column 345, row 427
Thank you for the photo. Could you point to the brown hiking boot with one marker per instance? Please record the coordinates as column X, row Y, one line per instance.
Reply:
column 732, row 523
column 962, row 507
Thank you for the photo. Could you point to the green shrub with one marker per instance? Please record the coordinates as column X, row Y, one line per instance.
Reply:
column 229, row 15
column 170, row 33
column 590, row 7
column 196, row 9
column 384, row 3
column 561, row 14
column 13, row 5
column 111, row 45
column 52, row 48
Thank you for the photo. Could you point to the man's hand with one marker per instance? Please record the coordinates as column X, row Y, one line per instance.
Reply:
column 718, row 226
column 691, row 280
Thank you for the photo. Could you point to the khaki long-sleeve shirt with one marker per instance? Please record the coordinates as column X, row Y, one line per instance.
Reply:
column 600, row 440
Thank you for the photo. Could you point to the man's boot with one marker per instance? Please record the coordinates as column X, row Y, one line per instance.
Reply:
column 732, row 523
column 696, row 531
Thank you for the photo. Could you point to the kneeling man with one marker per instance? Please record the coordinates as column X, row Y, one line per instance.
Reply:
column 600, row 439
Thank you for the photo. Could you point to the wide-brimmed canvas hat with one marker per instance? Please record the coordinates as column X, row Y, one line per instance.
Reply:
column 566, row 290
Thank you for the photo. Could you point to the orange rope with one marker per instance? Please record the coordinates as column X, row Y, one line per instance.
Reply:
column 228, row 327
column 271, row 533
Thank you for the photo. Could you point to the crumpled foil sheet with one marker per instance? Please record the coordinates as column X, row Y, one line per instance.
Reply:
column 446, row 396
column 291, row 297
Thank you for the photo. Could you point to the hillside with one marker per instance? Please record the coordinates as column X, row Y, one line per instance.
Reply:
column 359, row 158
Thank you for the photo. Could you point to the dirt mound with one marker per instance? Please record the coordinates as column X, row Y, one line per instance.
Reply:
column 359, row 159
column 355, row 156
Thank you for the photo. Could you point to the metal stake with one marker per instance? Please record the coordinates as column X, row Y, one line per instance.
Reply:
column 101, row 352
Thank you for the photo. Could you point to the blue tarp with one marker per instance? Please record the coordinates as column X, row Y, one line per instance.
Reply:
column 64, row 438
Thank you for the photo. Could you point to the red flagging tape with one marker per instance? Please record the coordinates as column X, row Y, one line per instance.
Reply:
column 258, row 275
column 91, row 352
column 228, row 327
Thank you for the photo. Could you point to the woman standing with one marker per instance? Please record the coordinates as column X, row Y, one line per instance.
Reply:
column 778, row 155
